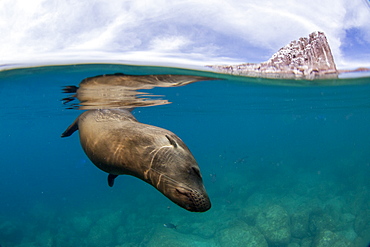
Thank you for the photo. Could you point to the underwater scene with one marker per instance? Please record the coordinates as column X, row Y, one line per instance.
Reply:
column 195, row 158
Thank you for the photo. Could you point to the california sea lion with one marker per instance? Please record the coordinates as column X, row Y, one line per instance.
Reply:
column 118, row 144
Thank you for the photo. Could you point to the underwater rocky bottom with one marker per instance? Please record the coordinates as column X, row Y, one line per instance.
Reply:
column 304, row 210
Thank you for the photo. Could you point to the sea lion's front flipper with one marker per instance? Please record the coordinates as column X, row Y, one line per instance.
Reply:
column 111, row 178
column 71, row 129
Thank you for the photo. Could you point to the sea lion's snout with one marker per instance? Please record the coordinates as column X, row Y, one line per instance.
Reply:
column 192, row 200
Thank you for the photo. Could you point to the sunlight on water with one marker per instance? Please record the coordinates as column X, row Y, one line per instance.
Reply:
column 283, row 165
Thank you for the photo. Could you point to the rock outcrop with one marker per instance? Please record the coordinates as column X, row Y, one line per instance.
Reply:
column 242, row 235
column 306, row 58
column 274, row 224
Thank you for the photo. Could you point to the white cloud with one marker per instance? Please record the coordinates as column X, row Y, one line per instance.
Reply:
column 169, row 43
column 247, row 30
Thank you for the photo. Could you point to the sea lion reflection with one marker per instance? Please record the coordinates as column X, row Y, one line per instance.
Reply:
column 121, row 90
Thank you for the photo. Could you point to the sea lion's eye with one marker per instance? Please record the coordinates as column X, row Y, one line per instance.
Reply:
column 196, row 171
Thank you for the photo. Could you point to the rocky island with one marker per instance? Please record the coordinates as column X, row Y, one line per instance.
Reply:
column 305, row 58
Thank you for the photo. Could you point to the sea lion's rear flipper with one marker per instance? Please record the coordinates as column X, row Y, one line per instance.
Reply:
column 71, row 129
column 111, row 178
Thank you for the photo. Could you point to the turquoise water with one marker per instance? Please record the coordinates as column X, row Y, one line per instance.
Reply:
column 283, row 165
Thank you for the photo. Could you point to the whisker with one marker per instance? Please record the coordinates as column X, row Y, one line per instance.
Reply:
column 172, row 180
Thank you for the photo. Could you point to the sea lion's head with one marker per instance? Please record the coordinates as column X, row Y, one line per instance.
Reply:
column 176, row 174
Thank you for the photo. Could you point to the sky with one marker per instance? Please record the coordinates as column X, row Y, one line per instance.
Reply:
column 180, row 32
